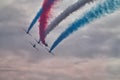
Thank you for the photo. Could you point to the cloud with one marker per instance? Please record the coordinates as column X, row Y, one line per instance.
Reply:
column 92, row 53
column 100, row 34
column 4, row 3
column 94, row 39
column 71, row 68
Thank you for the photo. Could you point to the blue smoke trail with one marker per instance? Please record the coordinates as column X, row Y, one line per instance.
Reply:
column 35, row 20
column 101, row 9
column 74, row 7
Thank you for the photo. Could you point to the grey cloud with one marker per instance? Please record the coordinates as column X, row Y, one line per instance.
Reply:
column 68, row 69
column 75, row 59
column 95, row 39
column 13, row 39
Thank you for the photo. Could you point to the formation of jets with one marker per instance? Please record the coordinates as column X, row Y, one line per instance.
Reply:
column 38, row 42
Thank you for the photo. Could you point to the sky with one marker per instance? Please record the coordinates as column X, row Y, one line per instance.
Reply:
column 91, row 53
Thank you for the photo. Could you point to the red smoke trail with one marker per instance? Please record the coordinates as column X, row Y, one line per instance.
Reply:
column 47, row 5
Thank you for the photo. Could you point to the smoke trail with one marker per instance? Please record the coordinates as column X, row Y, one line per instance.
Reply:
column 65, row 14
column 101, row 9
column 34, row 20
column 44, row 17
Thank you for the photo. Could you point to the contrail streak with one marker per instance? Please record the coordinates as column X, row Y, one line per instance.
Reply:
column 98, row 11
column 34, row 20
column 47, row 6
column 66, row 13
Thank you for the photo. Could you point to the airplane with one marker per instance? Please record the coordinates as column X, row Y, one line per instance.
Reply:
column 49, row 51
column 46, row 46
column 39, row 42
column 34, row 46
column 26, row 31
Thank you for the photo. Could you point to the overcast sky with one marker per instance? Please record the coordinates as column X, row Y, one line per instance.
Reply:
column 91, row 53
